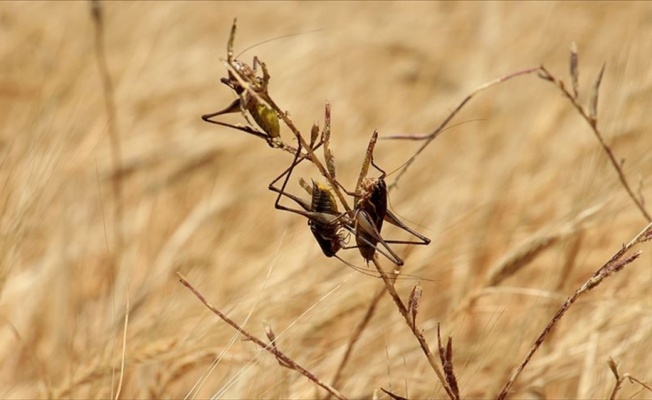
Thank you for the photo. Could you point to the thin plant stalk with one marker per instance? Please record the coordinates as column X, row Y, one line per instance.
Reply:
column 615, row 264
column 403, row 310
column 114, row 134
column 269, row 347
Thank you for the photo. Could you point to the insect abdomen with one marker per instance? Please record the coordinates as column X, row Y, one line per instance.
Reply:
column 326, row 233
column 266, row 119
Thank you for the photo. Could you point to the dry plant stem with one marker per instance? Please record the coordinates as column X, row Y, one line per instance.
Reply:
column 593, row 123
column 619, row 379
column 371, row 310
column 433, row 135
column 124, row 351
column 313, row 157
column 271, row 348
column 590, row 117
column 109, row 103
column 615, row 264
column 613, row 365
column 389, row 284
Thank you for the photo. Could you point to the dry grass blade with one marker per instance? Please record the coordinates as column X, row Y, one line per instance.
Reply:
column 123, row 355
column 446, row 357
column 413, row 303
column 511, row 264
column 38, row 364
column 114, row 135
column 595, row 92
column 326, row 134
column 285, row 360
column 355, row 337
column 522, row 256
column 574, row 72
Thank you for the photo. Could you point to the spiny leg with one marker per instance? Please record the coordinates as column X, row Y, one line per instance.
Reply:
column 323, row 217
column 281, row 192
column 307, row 211
column 393, row 219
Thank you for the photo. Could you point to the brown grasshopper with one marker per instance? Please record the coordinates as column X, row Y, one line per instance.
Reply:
column 370, row 211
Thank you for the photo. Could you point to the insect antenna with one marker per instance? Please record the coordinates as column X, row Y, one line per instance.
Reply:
column 428, row 138
column 418, row 138
column 289, row 35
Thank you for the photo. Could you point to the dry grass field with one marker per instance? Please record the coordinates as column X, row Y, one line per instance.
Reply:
column 518, row 180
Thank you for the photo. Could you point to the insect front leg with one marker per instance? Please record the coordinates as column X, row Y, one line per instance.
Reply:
column 266, row 76
column 307, row 207
column 281, row 192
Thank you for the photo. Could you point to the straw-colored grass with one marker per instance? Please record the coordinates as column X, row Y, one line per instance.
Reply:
column 521, row 202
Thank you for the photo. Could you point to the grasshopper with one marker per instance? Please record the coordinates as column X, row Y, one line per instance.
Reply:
column 253, row 97
column 370, row 211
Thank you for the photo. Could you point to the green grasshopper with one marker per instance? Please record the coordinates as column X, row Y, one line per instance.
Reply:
column 253, row 97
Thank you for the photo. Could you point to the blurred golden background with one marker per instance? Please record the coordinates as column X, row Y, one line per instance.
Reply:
column 520, row 166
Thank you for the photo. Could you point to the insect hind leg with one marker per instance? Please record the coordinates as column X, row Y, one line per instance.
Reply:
column 306, row 212
column 393, row 219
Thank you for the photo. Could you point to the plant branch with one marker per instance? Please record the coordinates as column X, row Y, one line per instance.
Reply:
column 615, row 264
column 592, row 120
column 114, row 135
column 271, row 347
column 403, row 310
column 433, row 135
